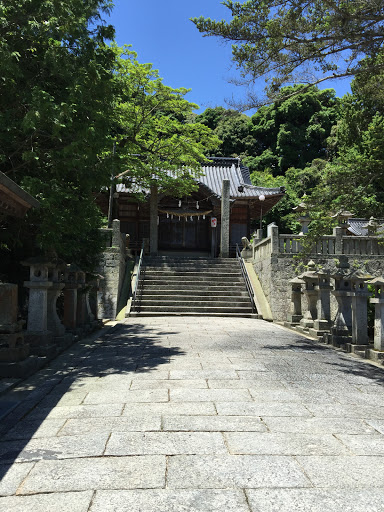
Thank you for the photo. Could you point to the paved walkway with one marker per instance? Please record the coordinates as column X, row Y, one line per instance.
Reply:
column 190, row 414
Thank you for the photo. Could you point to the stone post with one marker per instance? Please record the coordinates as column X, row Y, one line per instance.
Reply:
column 378, row 301
column 310, row 293
column 295, row 314
column 342, row 326
column 53, row 321
column 338, row 234
column 359, row 295
column 70, row 297
column 38, row 335
column 153, row 221
column 273, row 233
column 323, row 304
column 82, row 320
column 225, row 214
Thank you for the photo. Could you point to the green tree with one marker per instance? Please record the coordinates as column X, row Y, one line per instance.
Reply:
column 55, row 114
column 293, row 131
column 289, row 42
column 155, row 140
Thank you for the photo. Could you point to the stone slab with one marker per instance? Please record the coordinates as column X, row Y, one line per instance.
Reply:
column 35, row 429
column 64, row 502
column 261, row 409
column 165, row 443
column 145, row 472
column 172, row 408
column 213, row 423
column 203, row 374
column 245, row 384
column 11, row 477
column 346, row 411
column 363, row 444
column 136, row 423
column 344, row 472
column 234, row 471
column 137, row 396
column 210, row 395
column 78, row 411
column 256, row 443
column 169, row 384
column 164, row 500
column 318, row 425
column 376, row 424
column 53, row 448
column 315, row 500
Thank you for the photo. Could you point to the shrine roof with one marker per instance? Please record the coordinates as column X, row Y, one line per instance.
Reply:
column 358, row 227
column 14, row 201
column 238, row 175
column 218, row 169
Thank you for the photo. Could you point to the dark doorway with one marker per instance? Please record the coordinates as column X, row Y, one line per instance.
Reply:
column 181, row 233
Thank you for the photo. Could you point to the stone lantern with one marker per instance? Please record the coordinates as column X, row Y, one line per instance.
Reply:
column 372, row 226
column 40, row 281
column 359, row 294
column 342, row 325
column 323, row 304
column 295, row 314
column 310, row 293
column 342, row 218
column 304, row 217
column 378, row 301
column 53, row 321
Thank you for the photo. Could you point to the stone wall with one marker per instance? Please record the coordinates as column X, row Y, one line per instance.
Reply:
column 275, row 269
column 112, row 268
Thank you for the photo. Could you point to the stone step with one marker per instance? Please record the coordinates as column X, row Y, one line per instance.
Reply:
column 173, row 313
column 148, row 287
column 195, row 309
column 190, row 271
column 161, row 301
column 196, row 279
column 198, row 292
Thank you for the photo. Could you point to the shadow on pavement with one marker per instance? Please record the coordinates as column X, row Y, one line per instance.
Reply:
column 121, row 350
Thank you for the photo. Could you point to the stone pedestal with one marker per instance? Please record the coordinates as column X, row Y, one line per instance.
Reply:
column 310, row 293
column 323, row 288
column 295, row 313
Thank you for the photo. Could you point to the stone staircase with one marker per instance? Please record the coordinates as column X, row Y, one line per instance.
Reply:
column 192, row 286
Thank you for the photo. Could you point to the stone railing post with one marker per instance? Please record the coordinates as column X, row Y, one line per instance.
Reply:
column 38, row 335
column 273, row 233
column 378, row 301
column 310, row 293
column 338, row 234
column 225, row 214
column 295, row 314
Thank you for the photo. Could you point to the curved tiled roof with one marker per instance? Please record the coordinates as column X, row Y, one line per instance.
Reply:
column 218, row 169
column 358, row 227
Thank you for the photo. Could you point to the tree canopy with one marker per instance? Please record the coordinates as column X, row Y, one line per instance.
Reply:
column 288, row 42
column 67, row 93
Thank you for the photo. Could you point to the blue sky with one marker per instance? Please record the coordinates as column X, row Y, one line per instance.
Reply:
column 162, row 34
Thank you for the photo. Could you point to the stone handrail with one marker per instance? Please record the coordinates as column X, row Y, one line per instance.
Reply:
column 262, row 249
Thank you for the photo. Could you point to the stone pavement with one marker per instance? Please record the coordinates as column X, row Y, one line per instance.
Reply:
column 192, row 414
